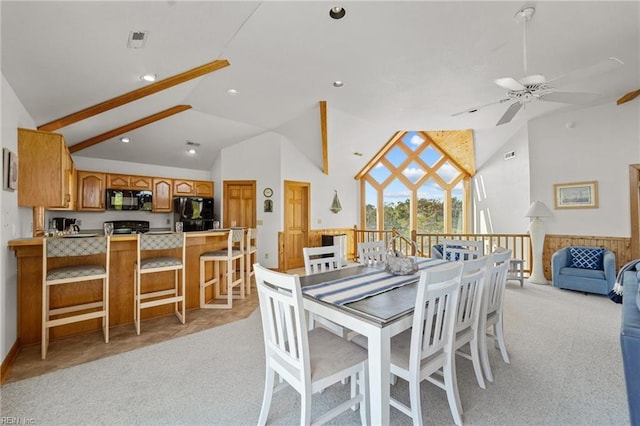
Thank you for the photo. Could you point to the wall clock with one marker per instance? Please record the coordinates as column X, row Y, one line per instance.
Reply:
column 268, row 192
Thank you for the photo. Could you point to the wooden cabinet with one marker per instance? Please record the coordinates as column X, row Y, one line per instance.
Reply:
column 91, row 191
column 45, row 174
column 200, row 188
column 117, row 181
column 140, row 182
column 204, row 188
column 162, row 195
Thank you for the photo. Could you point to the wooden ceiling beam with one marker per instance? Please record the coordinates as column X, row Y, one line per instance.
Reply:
column 128, row 127
column 323, row 131
column 134, row 95
column 629, row 97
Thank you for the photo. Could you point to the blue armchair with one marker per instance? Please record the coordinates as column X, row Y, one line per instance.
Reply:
column 587, row 269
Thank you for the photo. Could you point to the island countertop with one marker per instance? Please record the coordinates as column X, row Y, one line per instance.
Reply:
column 123, row 255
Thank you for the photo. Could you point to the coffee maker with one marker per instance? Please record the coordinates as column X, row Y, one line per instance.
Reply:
column 64, row 224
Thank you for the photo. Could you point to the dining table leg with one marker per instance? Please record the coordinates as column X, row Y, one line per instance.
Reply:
column 379, row 360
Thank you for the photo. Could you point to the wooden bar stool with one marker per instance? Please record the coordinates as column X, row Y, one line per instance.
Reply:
column 250, row 256
column 157, row 253
column 233, row 259
column 70, row 261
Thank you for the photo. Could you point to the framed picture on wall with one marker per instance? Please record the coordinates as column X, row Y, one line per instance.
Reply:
column 9, row 170
column 576, row 195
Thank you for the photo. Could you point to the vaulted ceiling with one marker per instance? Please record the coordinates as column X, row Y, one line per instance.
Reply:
column 405, row 66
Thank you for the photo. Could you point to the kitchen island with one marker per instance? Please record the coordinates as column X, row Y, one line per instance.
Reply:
column 28, row 252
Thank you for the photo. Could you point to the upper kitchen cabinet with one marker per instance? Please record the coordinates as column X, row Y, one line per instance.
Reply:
column 91, row 191
column 162, row 195
column 200, row 188
column 116, row 181
column 46, row 171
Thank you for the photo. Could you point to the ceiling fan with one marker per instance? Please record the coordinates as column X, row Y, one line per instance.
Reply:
column 537, row 87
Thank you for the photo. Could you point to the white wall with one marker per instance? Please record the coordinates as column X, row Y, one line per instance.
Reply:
column 257, row 159
column 14, row 222
column 500, row 189
column 604, row 141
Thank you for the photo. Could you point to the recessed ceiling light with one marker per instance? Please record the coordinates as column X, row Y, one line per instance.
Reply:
column 125, row 140
column 357, row 154
column 148, row 77
column 338, row 83
column 232, row 92
column 337, row 12
column 191, row 151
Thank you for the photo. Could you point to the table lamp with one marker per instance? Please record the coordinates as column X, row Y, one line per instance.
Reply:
column 536, row 211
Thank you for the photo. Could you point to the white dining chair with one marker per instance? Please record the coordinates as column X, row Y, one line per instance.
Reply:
column 321, row 259
column 468, row 313
column 491, row 315
column 456, row 249
column 317, row 260
column 427, row 348
column 371, row 253
column 308, row 361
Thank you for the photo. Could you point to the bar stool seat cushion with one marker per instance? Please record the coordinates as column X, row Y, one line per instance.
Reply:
column 75, row 272
column 159, row 262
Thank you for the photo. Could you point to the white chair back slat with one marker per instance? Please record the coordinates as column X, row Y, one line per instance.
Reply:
column 321, row 259
column 433, row 320
column 372, row 252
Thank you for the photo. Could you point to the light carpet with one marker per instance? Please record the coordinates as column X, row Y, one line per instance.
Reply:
column 565, row 369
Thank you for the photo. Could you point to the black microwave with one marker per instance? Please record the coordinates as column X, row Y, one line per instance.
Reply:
column 127, row 199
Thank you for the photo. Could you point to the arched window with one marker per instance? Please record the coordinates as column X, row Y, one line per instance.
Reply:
column 413, row 183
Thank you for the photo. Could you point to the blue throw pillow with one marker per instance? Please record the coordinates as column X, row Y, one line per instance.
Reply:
column 586, row 257
column 456, row 255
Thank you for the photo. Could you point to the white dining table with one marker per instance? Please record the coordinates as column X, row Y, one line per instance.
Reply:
column 378, row 317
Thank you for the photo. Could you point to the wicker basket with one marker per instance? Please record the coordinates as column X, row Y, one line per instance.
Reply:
column 399, row 264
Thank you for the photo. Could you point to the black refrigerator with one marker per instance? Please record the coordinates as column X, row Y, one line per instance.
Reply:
column 195, row 213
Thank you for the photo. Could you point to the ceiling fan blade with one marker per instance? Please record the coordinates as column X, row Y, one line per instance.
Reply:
column 570, row 97
column 601, row 67
column 475, row 109
column 629, row 96
column 509, row 83
column 509, row 113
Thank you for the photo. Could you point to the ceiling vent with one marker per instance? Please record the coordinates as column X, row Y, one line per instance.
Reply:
column 509, row 155
column 137, row 39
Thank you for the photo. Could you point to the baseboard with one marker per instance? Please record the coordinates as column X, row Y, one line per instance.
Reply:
column 8, row 361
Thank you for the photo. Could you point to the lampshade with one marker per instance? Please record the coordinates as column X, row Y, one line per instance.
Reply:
column 538, row 209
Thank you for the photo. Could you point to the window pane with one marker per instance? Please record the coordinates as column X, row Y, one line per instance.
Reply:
column 379, row 173
column 396, row 156
column 457, row 197
column 371, row 209
column 412, row 140
column 413, row 172
column 430, row 156
column 430, row 208
column 397, row 207
column 448, row 172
